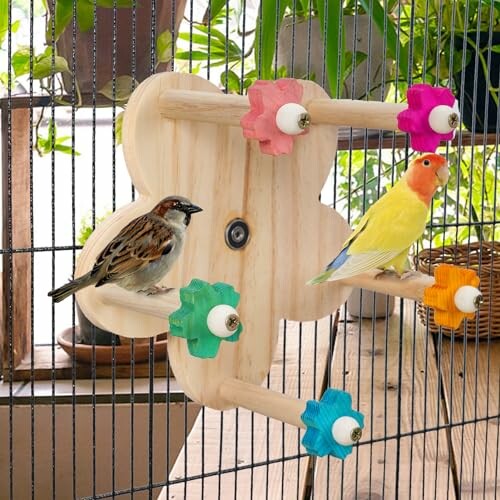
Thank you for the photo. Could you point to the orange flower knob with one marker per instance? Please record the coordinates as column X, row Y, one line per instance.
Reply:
column 454, row 296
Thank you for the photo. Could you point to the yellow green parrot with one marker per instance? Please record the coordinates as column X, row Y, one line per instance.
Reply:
column 392, row 224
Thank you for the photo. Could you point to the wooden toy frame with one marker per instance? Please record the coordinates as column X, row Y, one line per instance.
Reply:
column 181, row 135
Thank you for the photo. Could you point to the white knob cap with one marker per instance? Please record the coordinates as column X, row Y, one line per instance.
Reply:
column 292, row 118
column 346, row 431
column 467, row 299
column 223, row 320
column 444, row 119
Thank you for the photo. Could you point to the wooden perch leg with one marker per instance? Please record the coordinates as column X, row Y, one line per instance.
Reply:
column 264, row 401
column 409, row 288
column 228, row 109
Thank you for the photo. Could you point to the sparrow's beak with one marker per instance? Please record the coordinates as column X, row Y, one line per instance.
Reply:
column 192, row 209
column 443, row 174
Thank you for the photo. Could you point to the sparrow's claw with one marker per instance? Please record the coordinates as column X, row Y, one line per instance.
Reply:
column 156, row 290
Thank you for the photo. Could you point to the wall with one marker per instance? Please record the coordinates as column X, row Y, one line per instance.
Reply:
column 84, row 432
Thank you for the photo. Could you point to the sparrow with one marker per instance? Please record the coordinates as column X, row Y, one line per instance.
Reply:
column 142, row 253
column 391, row 225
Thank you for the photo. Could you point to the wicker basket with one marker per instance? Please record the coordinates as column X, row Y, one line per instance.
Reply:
column 486, row 253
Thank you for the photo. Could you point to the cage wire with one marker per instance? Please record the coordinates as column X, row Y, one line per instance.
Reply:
column 430, row 399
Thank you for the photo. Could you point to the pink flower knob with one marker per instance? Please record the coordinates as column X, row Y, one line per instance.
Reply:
column 431, row 117
column 276, row 115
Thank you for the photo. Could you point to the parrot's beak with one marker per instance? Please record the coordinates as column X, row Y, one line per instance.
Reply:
column 443, row 174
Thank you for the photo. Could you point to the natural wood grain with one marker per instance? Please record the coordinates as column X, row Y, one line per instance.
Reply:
column 364, row 114
column 62, row 367
column 471, row 374
column 414, row 466
column 253, row 439
column 411, row 287
column 293, row 235
column 259, row 399
column 16, row 279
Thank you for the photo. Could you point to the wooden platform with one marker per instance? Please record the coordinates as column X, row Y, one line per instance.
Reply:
column 415, row 392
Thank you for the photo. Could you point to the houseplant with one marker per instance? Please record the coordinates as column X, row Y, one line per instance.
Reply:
column 341, row 56
column 117, row 36
column 466, row 57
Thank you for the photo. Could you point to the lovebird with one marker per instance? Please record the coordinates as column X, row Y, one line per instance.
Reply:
column 392, row 224
column 142, row 253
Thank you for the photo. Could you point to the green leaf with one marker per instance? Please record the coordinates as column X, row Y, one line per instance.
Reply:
column 195, row 55
column 15, row 26
column 164, row 46
column 44, row 66
column 85, row 15
column 65, row 149
column 231, row 81
column 4, row 19
column 330, row 14
column 64, row 14
column 215, row 7
column 21, row 61
column 123, row 88
column 383, row 21
column 4, row 79
column 109, row 4
column 360, row 57
column 119, row 127
column 268, row 25
column 495, row 48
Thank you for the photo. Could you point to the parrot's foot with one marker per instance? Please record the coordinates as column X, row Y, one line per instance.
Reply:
column 156, row 290
column 386, row 273
column 409, row 274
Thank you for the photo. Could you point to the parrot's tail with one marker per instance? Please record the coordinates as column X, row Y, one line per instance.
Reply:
column 72, row 287
column 321, row 277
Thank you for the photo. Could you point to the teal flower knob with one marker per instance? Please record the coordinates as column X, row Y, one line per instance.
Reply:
column 333, row 427
column 206, row 317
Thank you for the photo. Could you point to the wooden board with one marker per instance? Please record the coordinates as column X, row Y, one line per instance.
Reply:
column 253, row 439
column 412, row 467
column 292, row 235
column 62, row 367
column 16, row 279
column 471, row 384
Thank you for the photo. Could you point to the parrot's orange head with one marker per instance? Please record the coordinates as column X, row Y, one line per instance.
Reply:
column 426, row 173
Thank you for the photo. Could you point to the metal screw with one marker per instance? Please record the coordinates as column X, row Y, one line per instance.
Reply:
column 232, row 322
column 453, row 120
column 478, row 301
column 238, row 234
column 356, row 434
column 304, row 120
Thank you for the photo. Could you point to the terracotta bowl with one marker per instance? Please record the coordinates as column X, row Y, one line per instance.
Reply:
column 103, row 353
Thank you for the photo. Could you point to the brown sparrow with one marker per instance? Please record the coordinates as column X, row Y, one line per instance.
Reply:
column 142, row 253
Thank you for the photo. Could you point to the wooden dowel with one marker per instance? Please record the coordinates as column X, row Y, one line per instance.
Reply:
column 228, row 109
column 264, row 401
column 203, row 106
column 409, row 288
column 160, row 305
column 357, row 114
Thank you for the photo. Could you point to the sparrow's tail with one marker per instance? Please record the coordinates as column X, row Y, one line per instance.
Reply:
column 72, row 287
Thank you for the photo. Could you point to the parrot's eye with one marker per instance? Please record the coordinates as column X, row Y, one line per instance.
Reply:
column 426, row 163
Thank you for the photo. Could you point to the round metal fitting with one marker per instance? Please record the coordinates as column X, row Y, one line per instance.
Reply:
column 453, row 120
column 478, row 301
column 232, row 322
column 304, row 121
column 356, row 434
column 237, row 234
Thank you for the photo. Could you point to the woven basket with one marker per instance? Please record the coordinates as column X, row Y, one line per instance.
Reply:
column 471, row 256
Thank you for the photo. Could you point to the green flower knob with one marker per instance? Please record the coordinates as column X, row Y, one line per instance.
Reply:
column 206, row 317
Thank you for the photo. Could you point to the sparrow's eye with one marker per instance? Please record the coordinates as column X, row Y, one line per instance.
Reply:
column 426, row 163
